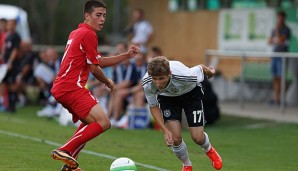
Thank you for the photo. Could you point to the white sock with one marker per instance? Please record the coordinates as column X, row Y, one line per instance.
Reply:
column 182, row 154
column 206, row 146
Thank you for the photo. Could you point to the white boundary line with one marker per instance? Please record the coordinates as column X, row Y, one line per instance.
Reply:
column 84, row 151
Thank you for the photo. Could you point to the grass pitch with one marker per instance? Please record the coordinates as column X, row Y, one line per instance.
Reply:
column 244, row 144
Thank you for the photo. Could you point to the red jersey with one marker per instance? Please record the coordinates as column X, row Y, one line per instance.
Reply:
column 80, row 51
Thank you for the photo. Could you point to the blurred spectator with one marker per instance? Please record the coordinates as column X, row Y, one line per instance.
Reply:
column 279, row 39
column 10, row 55
column 141, row 30
column 136, row 98
column 3, row 30
column 123, row 78
column 46, row 70
column 123, row 75
column 154, row 52
column 27, row 61
column 45, row 74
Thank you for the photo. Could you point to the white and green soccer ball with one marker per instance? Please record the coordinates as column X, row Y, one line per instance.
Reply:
column 123, row 164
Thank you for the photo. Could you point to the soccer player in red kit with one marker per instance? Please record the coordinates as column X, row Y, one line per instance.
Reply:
column 79, row 58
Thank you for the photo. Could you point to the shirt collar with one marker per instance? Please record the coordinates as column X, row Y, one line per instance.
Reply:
column 85, row 25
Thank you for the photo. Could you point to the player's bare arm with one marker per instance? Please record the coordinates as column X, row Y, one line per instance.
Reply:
column 113, row 60
column 99, row 75
column 155, row 111
column 208, row 71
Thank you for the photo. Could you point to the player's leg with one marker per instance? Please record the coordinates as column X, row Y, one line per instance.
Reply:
column 201, row 138
column 196, row 121
column 77, row 151
column 172, row 112
column 75, row 154
column 95, row 123
column 179, row 147
column 196, row 127
column 86, row 107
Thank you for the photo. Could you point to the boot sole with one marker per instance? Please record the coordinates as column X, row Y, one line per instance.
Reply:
column 71, row 162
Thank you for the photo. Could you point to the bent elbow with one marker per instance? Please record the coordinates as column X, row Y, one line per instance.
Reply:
column 101, row 63
column 93, row 68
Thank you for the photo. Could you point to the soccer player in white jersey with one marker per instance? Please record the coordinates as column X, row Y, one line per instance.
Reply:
column 169, row 87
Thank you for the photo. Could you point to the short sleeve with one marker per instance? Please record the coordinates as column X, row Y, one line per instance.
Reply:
column 151, row 98
column 89, row 46
column 149, row 92
column 198, row 72
column 180, row 69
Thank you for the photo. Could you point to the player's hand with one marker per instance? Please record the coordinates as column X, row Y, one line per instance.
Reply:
column 168, row 138
column 212, row 70
column 111, row 86
column 133, row 50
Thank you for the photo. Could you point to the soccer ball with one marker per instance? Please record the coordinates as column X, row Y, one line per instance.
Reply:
column 123, row 164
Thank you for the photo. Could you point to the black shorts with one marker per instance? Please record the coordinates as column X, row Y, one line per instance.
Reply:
column 191, row 102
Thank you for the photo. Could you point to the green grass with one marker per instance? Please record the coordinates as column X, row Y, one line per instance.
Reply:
column 244, row 144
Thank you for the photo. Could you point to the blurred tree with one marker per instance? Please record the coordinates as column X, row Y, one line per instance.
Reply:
column 51, row 21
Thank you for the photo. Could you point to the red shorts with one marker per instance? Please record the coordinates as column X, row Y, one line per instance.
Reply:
column 78, row 103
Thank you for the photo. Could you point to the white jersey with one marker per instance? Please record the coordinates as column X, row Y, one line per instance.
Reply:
column 182, row 81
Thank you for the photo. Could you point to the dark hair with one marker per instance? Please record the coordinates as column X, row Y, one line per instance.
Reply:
column 3, row 20
column 140, row 11
column 89, row 5
column 282, row 14
column 159, row 66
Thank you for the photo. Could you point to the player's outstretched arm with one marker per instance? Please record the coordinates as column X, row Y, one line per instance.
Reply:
column 208, row 71
column 113, row 60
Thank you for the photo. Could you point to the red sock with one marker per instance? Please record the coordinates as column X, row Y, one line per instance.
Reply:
column 79, row 127
column 82, row 136
column 77, row 151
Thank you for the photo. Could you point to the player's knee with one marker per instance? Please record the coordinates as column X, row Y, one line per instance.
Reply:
column 108, row 125
column 177, row 140
column 199, row 139
column 105, row 124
